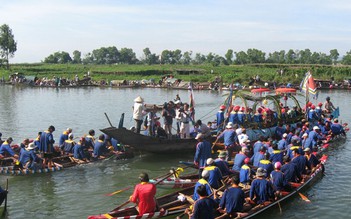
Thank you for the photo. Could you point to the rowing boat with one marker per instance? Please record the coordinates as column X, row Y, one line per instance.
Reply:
column 312, row 178
column 61, row 163
column 167, row 205
column 151, row 144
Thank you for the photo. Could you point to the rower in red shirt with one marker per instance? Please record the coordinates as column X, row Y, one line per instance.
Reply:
column 144, row 195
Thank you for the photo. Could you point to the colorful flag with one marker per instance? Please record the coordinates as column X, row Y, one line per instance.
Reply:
column 191, row 102
column 309, row 86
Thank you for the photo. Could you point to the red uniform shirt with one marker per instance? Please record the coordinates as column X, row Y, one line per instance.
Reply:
column 144, row 195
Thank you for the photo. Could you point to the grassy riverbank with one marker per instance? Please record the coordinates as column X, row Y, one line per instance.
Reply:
column 197, row 73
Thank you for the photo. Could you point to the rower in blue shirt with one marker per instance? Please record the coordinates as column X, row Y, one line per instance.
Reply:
column 203, row 181
column 301, row 162
column 290, row 170
column 337, row 128
column 220, row 118
column 233, row 200
column 261, row 190
column 215, row 178
column 266, row 164
column 28, row 159
column 90, row 140
column 222, row 164
column 6, row 150
column 278, row 179
column 230, row 139
column 283, row 144
column 64, row 136
column 100, row 147
column 239, row 159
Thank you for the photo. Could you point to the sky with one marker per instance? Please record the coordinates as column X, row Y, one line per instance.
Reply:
column 43, row 27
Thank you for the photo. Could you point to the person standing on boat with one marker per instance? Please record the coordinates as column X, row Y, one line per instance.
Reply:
column 230, row 139
column 138, row 113
column 233, row 200
column 144, row 195
column 203, row 152
column 329, row 106
column 168, row 114
column 261, row 190
column 185, row 121
column 64, row 136
column 152, row 119
column 47, row 146
column 220, row 118
column 177, row 109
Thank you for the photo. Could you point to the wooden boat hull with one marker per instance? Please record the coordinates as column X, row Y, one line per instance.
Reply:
column 168, row 205
column 151, row 144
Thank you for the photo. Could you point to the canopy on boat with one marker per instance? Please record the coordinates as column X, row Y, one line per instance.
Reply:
column 283, row 90
column 260, row 90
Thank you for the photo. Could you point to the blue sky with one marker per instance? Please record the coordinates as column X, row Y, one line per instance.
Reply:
column 42, row 27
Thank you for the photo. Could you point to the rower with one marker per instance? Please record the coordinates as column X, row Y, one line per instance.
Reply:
column 233, row 200
column 290, row 170
column 256, row 158
column 6, row 150
column 312, row 159
column 67, row 146
column 261, row 191
column 276, row 155
column 283, row 144
column 203, row 152
column 239, row 158
column 78, row 152
column 215, row 174
column 314, row 136
column 230, row 139
column 266, row 164
column 90, row 140
column 222, row 164
column 100, row 147
column 37, row 140
column 64, row 136
column 204, row 206
column 144, row 195
column 337, row 128
column 301, row 162
column 203, row 181
column 245, row 174
column 28, row 159
column 278, row 180
column 47, row 146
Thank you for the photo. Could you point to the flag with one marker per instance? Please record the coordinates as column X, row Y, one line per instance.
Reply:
column 309, row 86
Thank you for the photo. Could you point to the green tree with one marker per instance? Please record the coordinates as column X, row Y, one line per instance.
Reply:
column 346, row 60
column 8, row 45
column 58, row 57
column 334, row 55
column 255, row 56
column 149, row 58
column 199, row 59
column 241, row 58
column 127, row 56
column 186, row 60
column 229, row 56
column 290, row 57
column 77, row 57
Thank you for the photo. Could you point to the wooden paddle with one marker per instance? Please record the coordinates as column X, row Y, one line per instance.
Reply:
column 7, row 189
column 303, row 197
column 118, row 191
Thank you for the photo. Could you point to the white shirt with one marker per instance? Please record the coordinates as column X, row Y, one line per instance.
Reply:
column 138, row 111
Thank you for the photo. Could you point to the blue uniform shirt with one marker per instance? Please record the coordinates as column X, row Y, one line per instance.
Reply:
column 199, row 183
column 261, row 190
column 238, row 161
column 5, row 147
column 99, row 148
column 78, row 152
column 203, row 152
column 233, row 200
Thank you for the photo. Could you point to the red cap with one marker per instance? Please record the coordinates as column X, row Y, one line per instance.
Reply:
column 259, row 110
column 222, row 107
column 242, row 109
column 283, row 110
column 309, row 104
column 320, row 104
column 247, row 160
column 236, row 108
column 313, row 107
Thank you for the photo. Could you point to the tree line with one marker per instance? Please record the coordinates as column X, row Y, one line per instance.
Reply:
column 112, row 55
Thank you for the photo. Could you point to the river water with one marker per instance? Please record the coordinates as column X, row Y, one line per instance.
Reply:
column 79, row 191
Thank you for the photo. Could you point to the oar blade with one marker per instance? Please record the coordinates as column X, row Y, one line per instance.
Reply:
column 303, row 197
